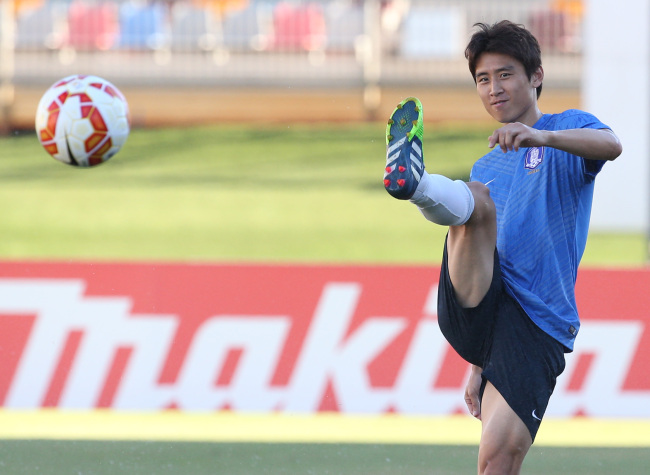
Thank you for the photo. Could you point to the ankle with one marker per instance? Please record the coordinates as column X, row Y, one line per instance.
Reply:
column 444, row 201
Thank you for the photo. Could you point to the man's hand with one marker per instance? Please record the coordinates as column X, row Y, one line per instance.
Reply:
column 592, row 144
column 516, row 135
column 472, row 392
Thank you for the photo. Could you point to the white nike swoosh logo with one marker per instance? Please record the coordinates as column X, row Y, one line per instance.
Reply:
column 535, row 415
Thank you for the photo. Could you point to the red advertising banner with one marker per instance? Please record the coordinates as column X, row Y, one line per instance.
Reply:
column 293, row 339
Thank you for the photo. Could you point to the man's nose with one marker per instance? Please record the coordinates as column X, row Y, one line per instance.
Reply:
column 496, row 88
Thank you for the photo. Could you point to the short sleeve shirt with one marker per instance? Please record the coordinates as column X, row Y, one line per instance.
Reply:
column 543, row 198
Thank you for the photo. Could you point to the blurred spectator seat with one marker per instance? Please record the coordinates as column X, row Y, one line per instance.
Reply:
column 192, row 28
column 143, row 26
column 92, row 26
column 553, row 31
column 42, row 27
column 344, row 26
column 431, row 32
column 574, row 8
column 248, row 29
column 220, row 7
column 299, row 27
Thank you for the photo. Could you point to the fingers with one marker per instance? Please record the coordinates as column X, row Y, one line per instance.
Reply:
column 473, row 406
column 472, row 392
column 493, row 139
column 510, row 137
column 507, row 140
column 472, row 400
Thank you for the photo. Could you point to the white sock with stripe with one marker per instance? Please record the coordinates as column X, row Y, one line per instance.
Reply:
column 443, row 201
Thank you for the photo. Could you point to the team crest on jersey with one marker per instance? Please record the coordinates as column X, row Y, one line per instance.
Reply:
column 534, row 156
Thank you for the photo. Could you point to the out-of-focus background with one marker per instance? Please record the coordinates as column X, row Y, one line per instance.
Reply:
column 235, row 293
column 206, row 61
column 343, row 48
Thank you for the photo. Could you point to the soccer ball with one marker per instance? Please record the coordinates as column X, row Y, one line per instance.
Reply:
column 82, row 120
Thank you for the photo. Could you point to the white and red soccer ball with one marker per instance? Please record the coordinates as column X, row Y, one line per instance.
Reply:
column 82, row 120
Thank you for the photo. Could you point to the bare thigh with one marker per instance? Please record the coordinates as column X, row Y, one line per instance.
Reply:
column 505, row 439
column 470, row 249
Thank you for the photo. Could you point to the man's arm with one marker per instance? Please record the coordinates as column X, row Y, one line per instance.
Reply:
column 593, row 144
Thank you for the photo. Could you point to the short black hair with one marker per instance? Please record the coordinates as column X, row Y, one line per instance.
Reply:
column 507, row 38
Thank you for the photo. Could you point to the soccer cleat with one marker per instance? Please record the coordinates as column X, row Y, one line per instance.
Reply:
column 404, row 160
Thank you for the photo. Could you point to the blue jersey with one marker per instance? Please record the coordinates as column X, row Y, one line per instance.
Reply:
column 543, row 199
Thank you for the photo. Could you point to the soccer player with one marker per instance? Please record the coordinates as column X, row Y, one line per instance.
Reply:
column 516, row 234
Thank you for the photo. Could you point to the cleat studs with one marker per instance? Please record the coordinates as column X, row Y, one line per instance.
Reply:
column 417, row 109
column 401, row 182
column 386, row 182
column 402, row 169
column 402, row 122
column 389, row 169
column 390, row 137
column 415, row 122
column 408, row 135
column 391, row 121
column 399, row 106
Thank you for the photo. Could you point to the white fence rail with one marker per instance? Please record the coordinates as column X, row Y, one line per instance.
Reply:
column 260, row 43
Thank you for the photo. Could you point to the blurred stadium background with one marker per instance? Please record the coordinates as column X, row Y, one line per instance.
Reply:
column 247, row 63
column 271, row 49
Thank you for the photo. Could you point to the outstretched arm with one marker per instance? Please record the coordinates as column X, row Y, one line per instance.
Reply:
column 593, row 144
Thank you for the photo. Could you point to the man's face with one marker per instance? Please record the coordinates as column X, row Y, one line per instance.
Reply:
column 507, row 93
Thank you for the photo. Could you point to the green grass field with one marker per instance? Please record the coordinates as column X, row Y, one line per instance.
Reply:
column 251, row 194
column 265, row 194
column 183, row 458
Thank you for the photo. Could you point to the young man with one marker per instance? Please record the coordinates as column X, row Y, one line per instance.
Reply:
column 516, row 234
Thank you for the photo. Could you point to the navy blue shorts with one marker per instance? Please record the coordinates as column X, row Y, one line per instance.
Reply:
column 517, row 357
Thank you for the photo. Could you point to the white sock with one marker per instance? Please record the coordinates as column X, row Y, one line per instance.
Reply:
column 443, row 201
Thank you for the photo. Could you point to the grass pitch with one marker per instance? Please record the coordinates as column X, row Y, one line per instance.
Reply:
column 184, row 458
column 223, row 193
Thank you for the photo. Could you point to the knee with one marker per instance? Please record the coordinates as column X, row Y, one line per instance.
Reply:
column 503, row 460
column 485, row 211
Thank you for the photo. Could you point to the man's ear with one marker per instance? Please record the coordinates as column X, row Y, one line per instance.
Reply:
column 537, row 78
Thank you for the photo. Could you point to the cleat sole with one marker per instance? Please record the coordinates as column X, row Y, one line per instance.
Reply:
column 404, row 166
